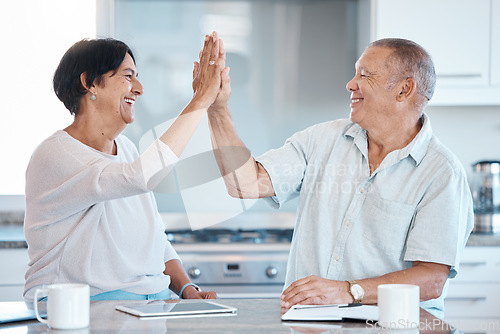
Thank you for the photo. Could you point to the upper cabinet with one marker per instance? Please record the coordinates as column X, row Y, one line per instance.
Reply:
column 462, row 36
column 495, row 43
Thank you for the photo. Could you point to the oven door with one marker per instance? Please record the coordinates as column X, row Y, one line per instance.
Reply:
column 237, row 270
column 244, row 290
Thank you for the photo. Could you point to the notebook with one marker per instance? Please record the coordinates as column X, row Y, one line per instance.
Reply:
column 331, row 312
column 16, row 311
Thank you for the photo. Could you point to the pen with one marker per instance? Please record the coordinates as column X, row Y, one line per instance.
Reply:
column 351, row 305
column 301, row 307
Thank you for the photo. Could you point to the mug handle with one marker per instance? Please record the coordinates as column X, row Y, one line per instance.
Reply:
column 35, row 302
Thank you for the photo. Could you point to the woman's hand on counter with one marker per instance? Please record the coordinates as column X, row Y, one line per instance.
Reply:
column 192, row 293
column 179, row 279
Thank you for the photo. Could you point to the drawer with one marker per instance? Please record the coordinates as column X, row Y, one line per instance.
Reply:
column 14, row 263
column 476, row 325
column 466, row 300
column 479, row 264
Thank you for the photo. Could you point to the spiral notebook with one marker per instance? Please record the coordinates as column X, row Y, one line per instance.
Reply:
column 331, row 312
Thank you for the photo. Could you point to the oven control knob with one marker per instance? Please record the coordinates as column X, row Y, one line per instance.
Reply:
column 271, row 272
column 194, row 272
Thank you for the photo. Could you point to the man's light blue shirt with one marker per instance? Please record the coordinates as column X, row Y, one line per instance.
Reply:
column 416, row 206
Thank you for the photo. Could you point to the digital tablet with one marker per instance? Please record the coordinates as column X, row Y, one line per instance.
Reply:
column 16, row 311
column 163, row 308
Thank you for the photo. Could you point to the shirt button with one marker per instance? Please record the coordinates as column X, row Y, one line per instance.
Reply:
column 362, row 190
column 337, row 257
column 348, row 222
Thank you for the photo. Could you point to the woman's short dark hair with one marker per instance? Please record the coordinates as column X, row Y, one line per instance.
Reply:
column 94, row 57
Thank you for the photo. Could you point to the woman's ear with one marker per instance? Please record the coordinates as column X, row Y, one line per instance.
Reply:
column 83, row 80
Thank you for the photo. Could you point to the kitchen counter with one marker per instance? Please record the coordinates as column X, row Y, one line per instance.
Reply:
column 253, row 316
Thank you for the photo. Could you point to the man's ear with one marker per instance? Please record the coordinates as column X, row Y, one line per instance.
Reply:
column 407, row 88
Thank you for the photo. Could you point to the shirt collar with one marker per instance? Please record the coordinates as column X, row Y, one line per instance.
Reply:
column 416, row 149
column 418, row 146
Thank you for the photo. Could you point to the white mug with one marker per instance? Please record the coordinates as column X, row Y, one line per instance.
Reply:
column 398, row 306
column 68, row 305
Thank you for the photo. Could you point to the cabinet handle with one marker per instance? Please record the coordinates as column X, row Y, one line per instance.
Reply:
column 460, row 76
column 473, row 264
column 466, row 299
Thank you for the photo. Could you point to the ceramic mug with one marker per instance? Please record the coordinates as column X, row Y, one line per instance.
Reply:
column 398, row 306
column 68, row 305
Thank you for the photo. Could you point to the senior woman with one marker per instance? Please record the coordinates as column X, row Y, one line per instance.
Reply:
column 90, row 213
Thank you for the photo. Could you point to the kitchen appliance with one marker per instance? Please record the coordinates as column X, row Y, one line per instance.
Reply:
column 235, row 262
column 485, row 187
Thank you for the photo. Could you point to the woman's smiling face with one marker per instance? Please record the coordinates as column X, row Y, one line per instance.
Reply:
column 118, row 92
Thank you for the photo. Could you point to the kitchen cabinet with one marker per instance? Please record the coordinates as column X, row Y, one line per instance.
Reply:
column 477, row 325
column 462, row 37
column 14, row 263
column 495, row 43
column 474, row 292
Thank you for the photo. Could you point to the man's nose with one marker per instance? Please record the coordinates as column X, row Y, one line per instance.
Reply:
column 351, row 85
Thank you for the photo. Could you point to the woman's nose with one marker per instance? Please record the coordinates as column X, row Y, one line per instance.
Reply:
column 137, row 88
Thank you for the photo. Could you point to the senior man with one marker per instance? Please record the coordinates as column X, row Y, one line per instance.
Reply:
column 381, row 200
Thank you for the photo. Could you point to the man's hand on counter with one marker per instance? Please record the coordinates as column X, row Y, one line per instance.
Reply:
column 316, row 290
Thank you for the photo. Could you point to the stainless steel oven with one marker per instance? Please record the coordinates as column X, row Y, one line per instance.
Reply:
column 235, row 262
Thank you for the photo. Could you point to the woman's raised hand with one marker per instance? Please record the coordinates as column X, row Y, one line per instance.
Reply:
column 207, row 73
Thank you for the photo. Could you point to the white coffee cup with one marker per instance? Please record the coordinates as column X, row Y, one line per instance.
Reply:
column 68, row 305
column 398, row 306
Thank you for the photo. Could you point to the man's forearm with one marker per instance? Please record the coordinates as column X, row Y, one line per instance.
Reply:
column 430, row 277
column 243, row 176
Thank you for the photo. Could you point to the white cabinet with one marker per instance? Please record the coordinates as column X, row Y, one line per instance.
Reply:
column 462, row 37
column 13, row 265
column 495, row 45
column 475, row 292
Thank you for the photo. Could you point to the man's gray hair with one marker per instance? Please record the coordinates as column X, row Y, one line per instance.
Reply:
column 410, row 60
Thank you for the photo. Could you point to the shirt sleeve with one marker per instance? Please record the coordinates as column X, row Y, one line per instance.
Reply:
column 443, row 221
column 67, row 177
column 170, row 253
column 286, row 167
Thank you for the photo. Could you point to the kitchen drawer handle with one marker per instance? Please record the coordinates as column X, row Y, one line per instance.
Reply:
column 473, row 264
column 460, row 76
column 465, row 299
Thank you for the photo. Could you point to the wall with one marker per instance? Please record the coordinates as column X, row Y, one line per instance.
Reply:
column 290, row 61
column 289, row 65
column 472, row 133
column 317, row 38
